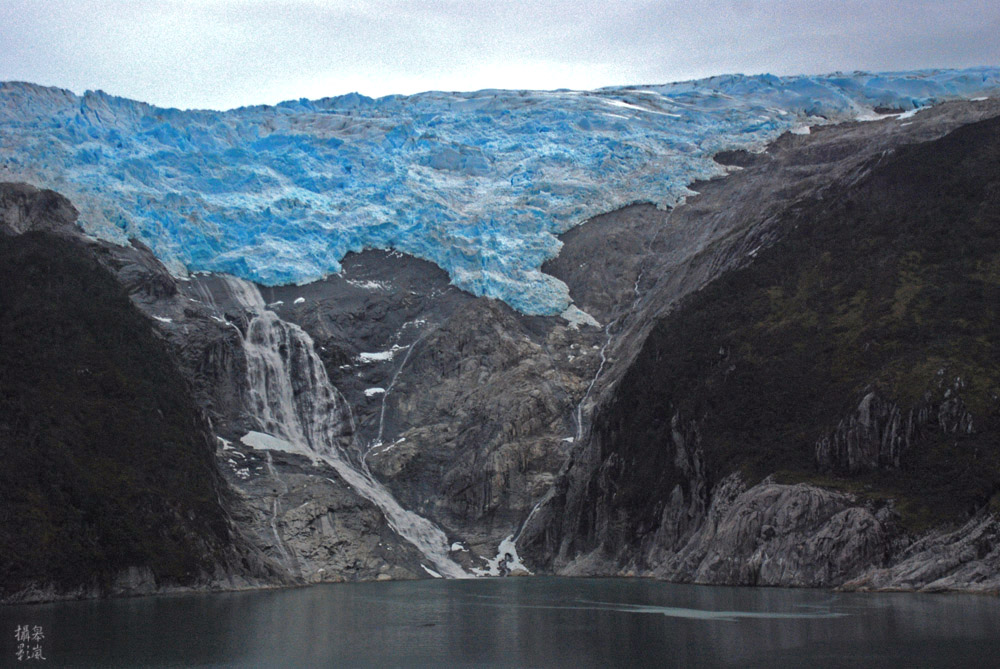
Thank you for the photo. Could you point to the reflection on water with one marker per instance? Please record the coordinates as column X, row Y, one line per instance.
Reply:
column 516, row 622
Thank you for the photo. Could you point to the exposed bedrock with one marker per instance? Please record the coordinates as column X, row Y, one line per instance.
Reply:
column 878, row 433
column 963, row 558
column 25, row 208
column 770, row 534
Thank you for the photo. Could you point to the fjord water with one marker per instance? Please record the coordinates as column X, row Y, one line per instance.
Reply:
column 536, row 622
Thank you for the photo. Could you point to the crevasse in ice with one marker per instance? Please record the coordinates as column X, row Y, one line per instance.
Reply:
column 479, row 183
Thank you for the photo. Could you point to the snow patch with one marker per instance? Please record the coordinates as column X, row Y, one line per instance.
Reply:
column 369, row 285
column 372, row 392
column 380, row 356
column 629, row 105
column 380, row 448
column 577, row 317
column 163, row 319
column 299, row 300
column 506, row 561
column 431, row 571
column 266, row 442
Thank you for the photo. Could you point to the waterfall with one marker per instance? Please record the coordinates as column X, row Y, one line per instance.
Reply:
column 293, row 399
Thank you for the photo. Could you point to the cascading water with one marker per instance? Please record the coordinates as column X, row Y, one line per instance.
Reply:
column 292, row 397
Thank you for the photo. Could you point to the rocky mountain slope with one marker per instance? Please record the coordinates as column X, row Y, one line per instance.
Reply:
column 800, row 419
column 109, row 483
column 748, row 390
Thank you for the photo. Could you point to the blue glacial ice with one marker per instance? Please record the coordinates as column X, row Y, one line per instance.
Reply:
column 479, row 183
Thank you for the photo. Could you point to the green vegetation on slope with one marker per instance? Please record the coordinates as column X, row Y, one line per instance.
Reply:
column 104, row 461
column 892, row 285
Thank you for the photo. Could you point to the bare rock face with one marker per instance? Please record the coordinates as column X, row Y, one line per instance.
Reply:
column 769, row 534
column 24, row 207
column 305, row 518
column 966, row 558
column 876, row 435
column 476, row 426
column 788, row 535
column 879, row 433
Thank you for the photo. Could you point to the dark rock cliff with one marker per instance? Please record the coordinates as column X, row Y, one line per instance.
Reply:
column 108, row 482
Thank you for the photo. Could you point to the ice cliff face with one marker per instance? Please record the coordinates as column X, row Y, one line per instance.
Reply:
column 479, row 183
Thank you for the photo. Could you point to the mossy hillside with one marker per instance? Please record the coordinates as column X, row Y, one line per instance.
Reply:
column 890, row 285
column 106, row 463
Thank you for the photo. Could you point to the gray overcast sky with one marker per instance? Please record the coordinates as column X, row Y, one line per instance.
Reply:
column 225, row 53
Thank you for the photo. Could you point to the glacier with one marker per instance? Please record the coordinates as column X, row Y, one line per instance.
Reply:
column 480, row 183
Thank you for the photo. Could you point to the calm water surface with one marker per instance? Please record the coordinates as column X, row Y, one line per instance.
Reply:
column 536, row 622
